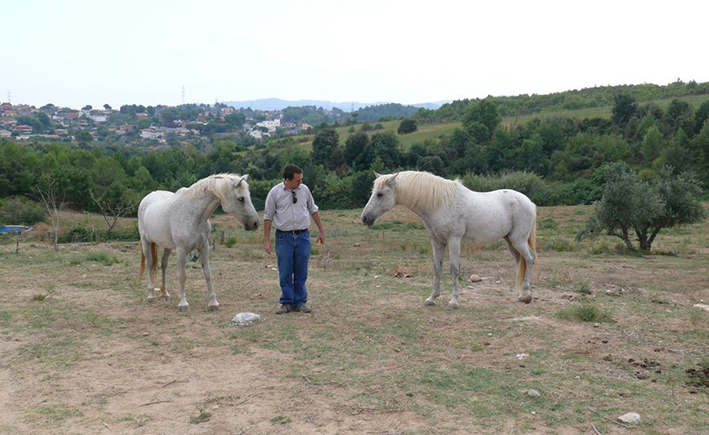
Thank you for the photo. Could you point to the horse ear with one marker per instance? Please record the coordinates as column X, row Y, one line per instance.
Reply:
column 241, row 179
column 392, row 178
column 376, row 174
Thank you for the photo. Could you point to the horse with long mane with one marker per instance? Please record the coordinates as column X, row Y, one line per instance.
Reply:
column 451, row 212
column 180, row 221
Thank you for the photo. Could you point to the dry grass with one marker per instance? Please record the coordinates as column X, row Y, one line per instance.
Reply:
column 92, row 356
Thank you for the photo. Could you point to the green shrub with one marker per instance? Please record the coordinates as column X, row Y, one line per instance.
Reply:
column 230, row 241
column 585, row 312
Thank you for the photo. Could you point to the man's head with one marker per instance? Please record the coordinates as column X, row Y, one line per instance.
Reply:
column 293, row 176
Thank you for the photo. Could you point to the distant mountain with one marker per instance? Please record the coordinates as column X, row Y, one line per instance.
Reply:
column 347, row 106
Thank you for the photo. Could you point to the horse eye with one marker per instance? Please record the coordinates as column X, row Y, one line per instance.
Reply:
column 241, row 199
column 380, row 194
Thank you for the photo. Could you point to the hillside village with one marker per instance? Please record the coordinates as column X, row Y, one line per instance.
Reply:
column 152, row 126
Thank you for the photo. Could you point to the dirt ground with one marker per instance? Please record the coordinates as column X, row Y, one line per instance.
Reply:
column 93, row 357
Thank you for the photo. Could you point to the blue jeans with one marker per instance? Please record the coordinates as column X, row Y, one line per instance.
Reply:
column 293, row 253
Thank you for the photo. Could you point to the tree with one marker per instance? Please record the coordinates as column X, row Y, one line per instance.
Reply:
column 114, row 203
column 355, row 145
column 653, row 144
column 325, row 148
column 630, row 206
column 49, row 191
column 624, row 108
column 87, row 107
column 107, row 106
column 485, row 112
column 408, row 125
column 83, row 137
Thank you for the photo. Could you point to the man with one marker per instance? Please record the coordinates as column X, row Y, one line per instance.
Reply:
column 289, row 206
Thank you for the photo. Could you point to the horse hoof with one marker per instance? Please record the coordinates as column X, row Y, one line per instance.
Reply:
column 429, row 303
column 150, row 300
column 526, row 299
column 165, row 298
column 214, row 308
column 452, row 307
column 184, row 308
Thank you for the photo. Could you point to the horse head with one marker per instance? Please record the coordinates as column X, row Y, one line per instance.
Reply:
column 382, row 200
column 238, row 204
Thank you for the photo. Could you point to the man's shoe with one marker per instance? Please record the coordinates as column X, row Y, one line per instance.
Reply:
column 284, row 308
column 303, row 309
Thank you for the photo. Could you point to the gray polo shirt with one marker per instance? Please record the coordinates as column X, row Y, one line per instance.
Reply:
column 285, row 215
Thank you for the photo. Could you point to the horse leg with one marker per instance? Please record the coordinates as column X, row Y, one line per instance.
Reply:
column 512, row 249
column 163, row 266
column 524, row 267
column 204, row 257
column 181, row 261
column 454, row 253
column 147, row 253
column 437, row 268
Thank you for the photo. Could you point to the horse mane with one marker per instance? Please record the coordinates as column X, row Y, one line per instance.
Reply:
column 220, row 185
column 421, row 191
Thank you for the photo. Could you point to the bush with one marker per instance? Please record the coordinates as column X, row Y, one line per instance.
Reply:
column 407, row 126
column 527, row 183
column 19, row 210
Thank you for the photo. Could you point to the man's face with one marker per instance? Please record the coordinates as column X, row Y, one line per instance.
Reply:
column 295, row 182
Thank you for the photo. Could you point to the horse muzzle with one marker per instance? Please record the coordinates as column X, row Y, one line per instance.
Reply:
column 368, row 221
column 251, row 226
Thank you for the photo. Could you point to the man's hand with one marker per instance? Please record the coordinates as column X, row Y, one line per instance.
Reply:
column 267, row 247
column 321, row 238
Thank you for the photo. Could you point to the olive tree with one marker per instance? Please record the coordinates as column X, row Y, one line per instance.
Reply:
column 634, row 209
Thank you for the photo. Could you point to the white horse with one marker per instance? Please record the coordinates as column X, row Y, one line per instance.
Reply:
column 181, row 221
column 452, row 212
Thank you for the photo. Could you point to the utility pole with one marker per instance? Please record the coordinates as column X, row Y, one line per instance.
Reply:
column 183, row 94
column 9, row 97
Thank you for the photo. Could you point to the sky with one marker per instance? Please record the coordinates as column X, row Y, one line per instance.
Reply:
column 76, row 53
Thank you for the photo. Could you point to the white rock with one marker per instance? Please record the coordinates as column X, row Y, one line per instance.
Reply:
column 475, row 278
column 630, row 418
column 521, row 356
column 246, row 318
column 702, row 306
column 533, row 393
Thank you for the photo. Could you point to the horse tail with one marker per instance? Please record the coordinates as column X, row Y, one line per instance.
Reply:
column 154, row 255
column 532, row 242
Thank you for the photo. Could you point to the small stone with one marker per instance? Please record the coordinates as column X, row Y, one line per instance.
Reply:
column 521, row 356
column 475, row 278
column 145, row 334
column 596, row 325
column 356, row 245
column 630, row 418
column 533, row 393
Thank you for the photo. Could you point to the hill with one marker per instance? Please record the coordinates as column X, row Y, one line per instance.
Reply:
column 346, row 106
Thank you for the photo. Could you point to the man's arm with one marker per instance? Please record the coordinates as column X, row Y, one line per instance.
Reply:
column 318, row 222
column 267, row 236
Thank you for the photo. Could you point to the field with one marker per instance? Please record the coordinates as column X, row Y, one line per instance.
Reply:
column 82, row 352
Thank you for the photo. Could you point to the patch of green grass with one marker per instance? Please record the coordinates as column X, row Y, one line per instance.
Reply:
column 59, row 354
column 557, row 244
column 585, row 312
column 52, row 414
column 139, row 420
column 201, row 418
column 281, row 420
column 583, row 287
